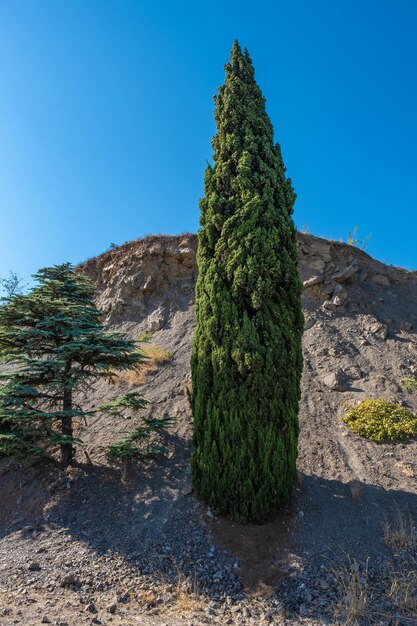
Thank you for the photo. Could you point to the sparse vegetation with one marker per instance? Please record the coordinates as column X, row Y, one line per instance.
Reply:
column 136, row 443
column 12, row 285
column 153, row 357
column 187, row 596
column 403, row 589
column 353, row 240
column 409, row 383
column 353, row 585
column 380, row 420
column 400, row 531
column 400, row 534
column 145, row 337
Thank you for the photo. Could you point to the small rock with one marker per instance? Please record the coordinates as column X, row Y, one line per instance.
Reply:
column 321, row 248
column 347, row 272
column 69, row 579
column 327, row 288
column 45, row 620
column 328, row 305
column 376, row 328
column 380, row 279
column 315, row 280
column 111, row 608
column 91, row 607
column 122, row 597
column 340, row 295
column 317, row 264
column 335, row 381
column 156, row 320
column 353, row 372
column 34, row 566
column 309, row 322
column 406, row 326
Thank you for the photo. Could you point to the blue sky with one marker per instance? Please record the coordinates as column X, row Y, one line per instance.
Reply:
column 106, row 118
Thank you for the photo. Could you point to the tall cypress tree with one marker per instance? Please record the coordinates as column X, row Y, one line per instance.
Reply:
column 246, row 357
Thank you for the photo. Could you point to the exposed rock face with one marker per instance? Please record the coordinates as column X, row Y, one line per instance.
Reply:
column 359, row 313
column 152, row 277
column 359, row 320
column 145, row 276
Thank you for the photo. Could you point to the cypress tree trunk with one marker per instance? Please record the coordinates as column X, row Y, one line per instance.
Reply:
column 246, row 357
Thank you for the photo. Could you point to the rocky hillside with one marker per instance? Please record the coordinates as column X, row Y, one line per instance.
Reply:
column 86, row 539
column 360, row 326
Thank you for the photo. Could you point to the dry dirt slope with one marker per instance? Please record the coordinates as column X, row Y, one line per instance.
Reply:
column 360, row 340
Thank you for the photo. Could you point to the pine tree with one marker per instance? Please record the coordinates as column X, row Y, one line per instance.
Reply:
column 246, row 356
column 53, row 345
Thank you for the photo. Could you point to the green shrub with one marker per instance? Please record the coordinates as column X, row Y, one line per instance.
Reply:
column 145, row 337
column 380, row 420
column 409, row 383
column 136, row 444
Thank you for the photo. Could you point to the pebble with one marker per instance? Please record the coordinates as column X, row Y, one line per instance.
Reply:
column 69, row 579
column 111, row 608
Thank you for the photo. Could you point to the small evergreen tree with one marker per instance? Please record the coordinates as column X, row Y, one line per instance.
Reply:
column 12, row 285
column 246, row 355
column 54, row 346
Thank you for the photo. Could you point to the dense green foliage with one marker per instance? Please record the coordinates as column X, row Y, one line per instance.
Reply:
column 136, row 443
column 246, row 356
column 380, row 420
column 53, row 345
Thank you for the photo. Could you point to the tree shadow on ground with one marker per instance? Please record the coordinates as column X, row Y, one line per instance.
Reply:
column 328, row 526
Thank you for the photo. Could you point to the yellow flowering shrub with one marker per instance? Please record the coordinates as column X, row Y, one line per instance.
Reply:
column 380, row 420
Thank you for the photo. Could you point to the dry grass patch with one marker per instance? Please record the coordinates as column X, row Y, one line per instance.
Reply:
column 355, row 594
column 400, row 532
column 187, row 596
column 154, row 359
column 148, row 597
column 403, row 589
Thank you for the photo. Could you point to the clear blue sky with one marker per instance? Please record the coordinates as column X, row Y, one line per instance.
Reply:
column 106, row 118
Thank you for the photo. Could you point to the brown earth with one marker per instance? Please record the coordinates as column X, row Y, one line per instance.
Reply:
column 134, row 536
